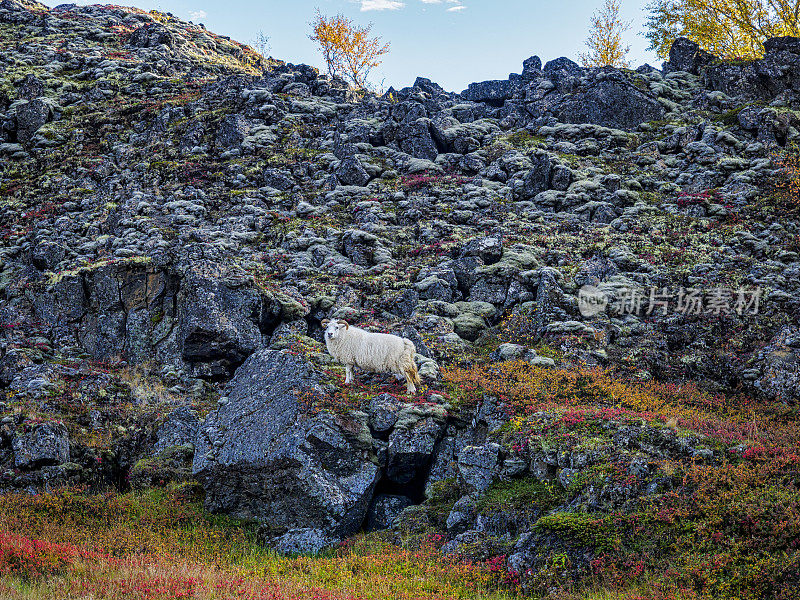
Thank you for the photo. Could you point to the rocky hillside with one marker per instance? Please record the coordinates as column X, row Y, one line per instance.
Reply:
column 600, row 269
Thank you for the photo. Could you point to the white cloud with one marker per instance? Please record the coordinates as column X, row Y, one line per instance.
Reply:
column 196, row 15
column 381, row 5
column 458, row 6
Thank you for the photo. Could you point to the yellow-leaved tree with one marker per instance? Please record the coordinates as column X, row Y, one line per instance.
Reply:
column 729, row 29
column 605, row 38
column 349, row 51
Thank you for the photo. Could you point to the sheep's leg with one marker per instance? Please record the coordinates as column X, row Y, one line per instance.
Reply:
column 411, row 378
column 400, row 376
column 348, row 378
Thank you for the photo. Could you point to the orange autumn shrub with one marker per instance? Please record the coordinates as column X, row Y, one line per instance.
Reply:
column 157, row 545
column 583, row 392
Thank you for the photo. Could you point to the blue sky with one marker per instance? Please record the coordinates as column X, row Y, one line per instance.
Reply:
column 452, row 42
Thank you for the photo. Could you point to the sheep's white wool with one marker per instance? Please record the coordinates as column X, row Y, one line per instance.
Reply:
column 377, row 352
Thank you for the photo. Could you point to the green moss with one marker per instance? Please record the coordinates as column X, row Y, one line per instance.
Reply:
column 171, row 464
column 728, row 118
column 582, row 529
column 594, row 474
column 523, row 138
column 441, row 496
column 521, row 495
column 571, row 160
column 548, row 352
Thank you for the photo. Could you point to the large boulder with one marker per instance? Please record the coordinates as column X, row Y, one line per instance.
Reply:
column 384, row 510
column 415, row 138
column 151, row 35
column 30, row 87
column 492, row 92
column 40, row 445
column 776, row 73
column 178, row 429
column 780, row 378
column 478, row 466
column 264, row 455
column 352, row 172
column 31, row 116
column 231, row 131
column 686, row 55
column 610, row 102
column 219, row 323
column 410, row 450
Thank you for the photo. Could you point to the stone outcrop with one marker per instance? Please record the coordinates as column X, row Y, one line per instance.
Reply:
column 262, row 456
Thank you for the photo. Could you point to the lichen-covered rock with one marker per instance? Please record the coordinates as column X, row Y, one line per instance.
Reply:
column 219, row 326
column 262, row 456
column 179, row 429
column 151, row 35
column 781, row 366
column 496, row 91
column 686, row 55
column 410, row 450
column 478, row 466
column 611, row 102
column 38, row 445
column 775, row 74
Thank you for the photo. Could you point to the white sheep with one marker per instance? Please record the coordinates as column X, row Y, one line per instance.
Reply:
column 376, row 352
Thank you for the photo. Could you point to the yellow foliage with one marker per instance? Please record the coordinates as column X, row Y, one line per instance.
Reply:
column 348, row 50
column 605, row 38
column 729, row 29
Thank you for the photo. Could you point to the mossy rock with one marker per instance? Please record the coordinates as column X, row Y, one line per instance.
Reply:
column 414, row 521
column 173, row 464
column 524, row 495
column 469, row 326
column 440, row 498
column 596, row 531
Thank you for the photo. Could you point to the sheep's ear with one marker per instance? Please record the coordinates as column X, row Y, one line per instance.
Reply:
column 325, row 322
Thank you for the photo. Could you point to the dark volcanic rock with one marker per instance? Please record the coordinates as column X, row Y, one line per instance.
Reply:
column 415, row 139
column 262, row 456
column 686, row 55
column 410, row 450
column 30, row 87
column 384, row 510
column 611, row 103
column 30, row 117
column 179, row 429
column 220, row 323
column 232, row 131
column 151, row 35
column 496, row 91
column 40, row 445
column 351, row 172
column 776, row 73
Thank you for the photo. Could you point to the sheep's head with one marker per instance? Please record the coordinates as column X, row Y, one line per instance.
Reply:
column 334, row 327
